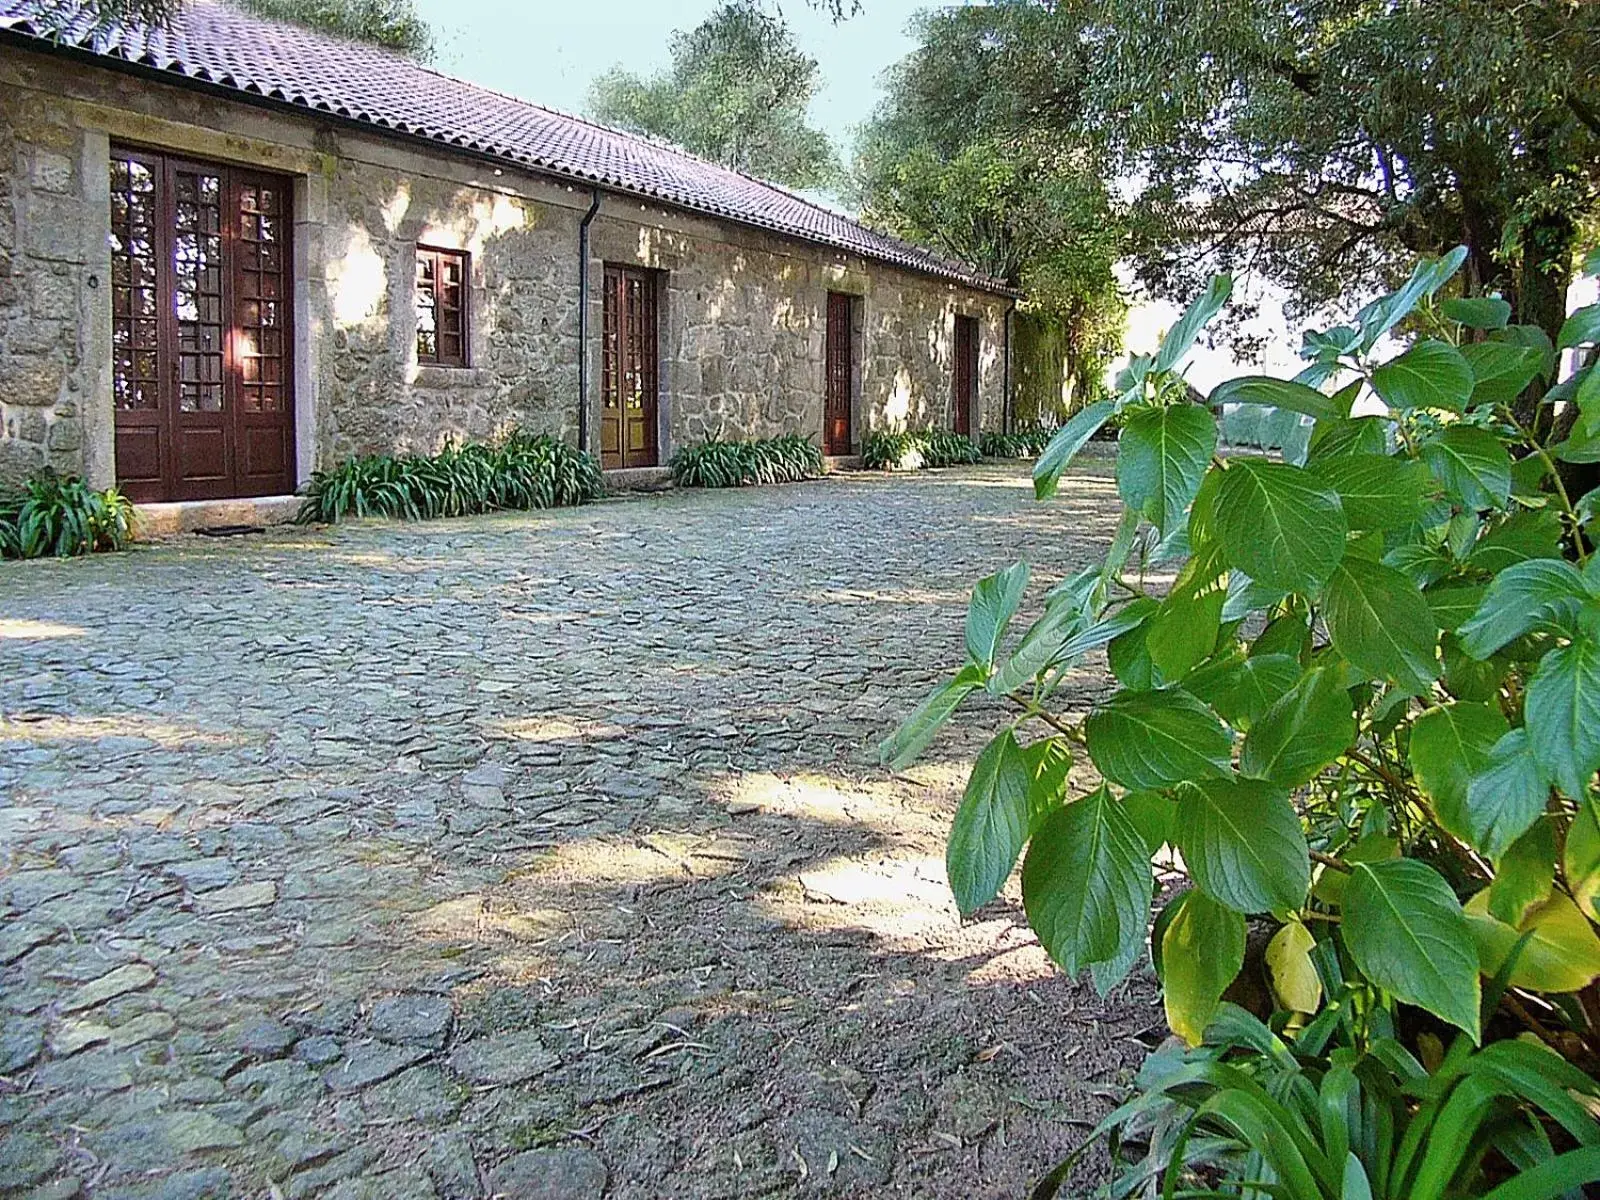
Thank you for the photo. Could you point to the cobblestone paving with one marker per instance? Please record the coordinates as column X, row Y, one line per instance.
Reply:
column 541, row 856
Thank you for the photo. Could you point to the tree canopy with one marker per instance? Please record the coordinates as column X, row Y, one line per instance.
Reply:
column 1323, row 141
column 953, row 160
column 736, row 91
column 392, row 24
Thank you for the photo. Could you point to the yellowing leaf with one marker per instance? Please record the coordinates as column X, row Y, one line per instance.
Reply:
column 1294, row 979
column 1202, row 951
column 1582, row 861
column 1563, row 955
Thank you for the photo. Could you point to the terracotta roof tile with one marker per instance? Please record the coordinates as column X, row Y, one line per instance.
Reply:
column 218, row 45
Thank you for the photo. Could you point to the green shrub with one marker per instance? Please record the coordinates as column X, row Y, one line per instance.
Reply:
column 1027, row 441
column 1326, row 1115
column 52, row 515
column 715, row 463
column 912, row 450
column 1365, row 714
column 521, row 471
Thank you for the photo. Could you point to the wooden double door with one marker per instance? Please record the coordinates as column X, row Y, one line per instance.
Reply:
column 201, row 328
column 629, row 370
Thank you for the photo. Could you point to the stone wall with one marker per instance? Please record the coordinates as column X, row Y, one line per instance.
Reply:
column 43, row 263
column 374, row 397
column 742, row 313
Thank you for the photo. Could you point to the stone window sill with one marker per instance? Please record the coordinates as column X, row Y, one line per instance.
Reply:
column 430, row 375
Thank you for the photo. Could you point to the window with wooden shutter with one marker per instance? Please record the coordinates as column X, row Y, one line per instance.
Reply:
column 442, row 293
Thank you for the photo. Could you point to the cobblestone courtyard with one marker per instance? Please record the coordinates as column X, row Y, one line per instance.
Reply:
column 543, row 856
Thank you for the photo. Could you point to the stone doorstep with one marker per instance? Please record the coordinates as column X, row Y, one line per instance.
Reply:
column 186, row 516
column 841, row 462
column 629, row 479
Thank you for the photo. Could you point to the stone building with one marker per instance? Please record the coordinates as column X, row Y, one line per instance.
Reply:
column 233, row 252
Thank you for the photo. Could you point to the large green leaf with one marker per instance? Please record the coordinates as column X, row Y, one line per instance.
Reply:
column 1153, row 815
column 1450, row 745
column 1478, row 312
column 1582, row 328
column 1303, row 732
column 1242, row 843
column 1553, row 1178
column 1040, row 646
column 1465, row 677
column 1049, row 760
column 1156, row 739
column 1064, row 446
column 1505, row 796
column 901, row 747
column 1501, row 370
column 1086, row 881
column 1282, row 394
column 1354, row 435
column 1162, row 455
column 1242, row 692
column 1542, row 594
column 990, row 826
column 1562, row 711
column 1406, row 931
column 1472, row 464
column 1429, row 275
column 1060, row 636
column 1532, row 337
column 1279, row 524
column 1378, row 491
column 1183, row 631
column 1380, row 623
column 1183, row 334
column 1454, row 604
column 1201, row 953
column 1531, row 533
column 1431, row 374
column 994, row 603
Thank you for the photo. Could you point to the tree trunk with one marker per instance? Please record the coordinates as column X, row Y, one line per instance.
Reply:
column 1541, row 297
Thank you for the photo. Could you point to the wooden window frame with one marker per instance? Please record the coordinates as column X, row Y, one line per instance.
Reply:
column 440, row 255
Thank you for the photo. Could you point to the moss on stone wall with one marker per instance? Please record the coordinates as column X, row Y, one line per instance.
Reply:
column 1040, row 359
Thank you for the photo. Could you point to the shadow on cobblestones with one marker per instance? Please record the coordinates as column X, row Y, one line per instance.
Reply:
column 537, row 855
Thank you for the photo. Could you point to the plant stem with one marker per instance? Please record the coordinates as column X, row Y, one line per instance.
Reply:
column 1555, row 475
column 1072, row 733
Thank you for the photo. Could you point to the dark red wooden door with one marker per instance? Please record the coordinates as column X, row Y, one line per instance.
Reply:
column 628, row 371
column 200, row 321
column 964, row 389
column 839, row 354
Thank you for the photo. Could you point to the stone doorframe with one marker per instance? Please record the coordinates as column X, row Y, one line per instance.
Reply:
column 309, row 298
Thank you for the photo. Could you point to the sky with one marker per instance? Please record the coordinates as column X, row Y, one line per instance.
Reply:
column 549, row 52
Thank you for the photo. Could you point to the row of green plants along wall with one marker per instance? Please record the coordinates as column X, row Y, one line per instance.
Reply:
column 1364, row 722
column 55, row 515
column 716, row 463
column 1027, row 441
column 520, row 471
column 912, row 450
column 61, row 516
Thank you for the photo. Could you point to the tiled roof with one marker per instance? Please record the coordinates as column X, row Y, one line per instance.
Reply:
column 268, row 60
